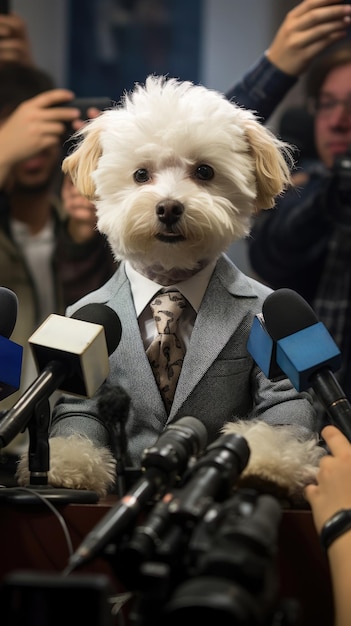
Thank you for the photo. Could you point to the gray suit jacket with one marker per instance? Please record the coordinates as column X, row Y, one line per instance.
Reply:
column 219, row 380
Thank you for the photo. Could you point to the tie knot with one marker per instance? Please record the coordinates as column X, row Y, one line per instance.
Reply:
column 167, row 307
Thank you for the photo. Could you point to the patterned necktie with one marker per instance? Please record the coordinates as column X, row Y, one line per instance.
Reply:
column 166, row 352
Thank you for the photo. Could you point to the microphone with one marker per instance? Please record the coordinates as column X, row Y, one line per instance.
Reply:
column 72, row 354
column 11, row 352
column 77, row 348
column 113, row 405
column 306, row 352
column 162, row 464
column 211, row 477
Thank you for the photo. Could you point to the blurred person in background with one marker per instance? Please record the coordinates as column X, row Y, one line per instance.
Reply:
column 50, row 251
column 305, row 242
column 14, row 40
column 307, row 30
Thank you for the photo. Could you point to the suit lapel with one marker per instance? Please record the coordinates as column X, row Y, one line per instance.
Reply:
column 131, row 350
column 225, row 303
column 219, row 316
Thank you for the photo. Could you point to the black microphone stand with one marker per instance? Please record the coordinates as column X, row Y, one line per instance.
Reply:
column 38, row 422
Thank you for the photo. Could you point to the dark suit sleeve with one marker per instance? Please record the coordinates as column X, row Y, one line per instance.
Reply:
column 262, row 88
column 288, row 244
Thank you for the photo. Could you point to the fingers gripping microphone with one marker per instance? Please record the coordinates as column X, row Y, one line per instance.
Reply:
column 11, row 353
column 162, row 464
column 72, row 354
column 307, row 353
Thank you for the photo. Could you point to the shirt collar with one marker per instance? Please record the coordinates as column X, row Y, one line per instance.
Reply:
column 144, row 289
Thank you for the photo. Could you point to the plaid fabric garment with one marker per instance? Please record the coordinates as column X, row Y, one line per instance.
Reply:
column 332, row 302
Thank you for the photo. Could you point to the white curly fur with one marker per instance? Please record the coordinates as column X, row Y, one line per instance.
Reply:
column 75, row 463
column 277, row 455
column 169, row 128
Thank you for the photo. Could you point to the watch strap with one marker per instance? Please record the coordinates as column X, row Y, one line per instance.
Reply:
column 338, row 524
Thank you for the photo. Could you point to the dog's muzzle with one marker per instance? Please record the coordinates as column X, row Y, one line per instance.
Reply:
column 168, row 213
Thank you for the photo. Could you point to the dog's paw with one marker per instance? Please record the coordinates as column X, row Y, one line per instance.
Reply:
column 75, row 463
column 280, row 462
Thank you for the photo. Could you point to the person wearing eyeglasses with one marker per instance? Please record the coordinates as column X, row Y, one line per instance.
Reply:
column 304, row 243
column 307, row 30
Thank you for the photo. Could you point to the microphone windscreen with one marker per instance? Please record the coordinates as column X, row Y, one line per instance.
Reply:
column 8, row 308
column 285, row 312
column 103, row 315
column 113, row 405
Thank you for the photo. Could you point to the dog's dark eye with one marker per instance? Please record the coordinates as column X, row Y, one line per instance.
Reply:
column 141, row 175
column 204, row 172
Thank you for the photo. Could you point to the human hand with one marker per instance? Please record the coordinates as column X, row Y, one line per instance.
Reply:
column 80, row 211
column 14, row 40
column 333, row 489
column 35, row 125
column 308, row 29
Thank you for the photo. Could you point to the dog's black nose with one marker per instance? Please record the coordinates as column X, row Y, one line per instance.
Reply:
column 169, row 211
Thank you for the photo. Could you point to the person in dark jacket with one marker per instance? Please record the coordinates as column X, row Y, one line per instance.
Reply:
column 50, row 251
column 305, row 243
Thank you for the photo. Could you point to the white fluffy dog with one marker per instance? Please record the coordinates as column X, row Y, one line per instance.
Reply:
column 142, row 164
column 177, row 163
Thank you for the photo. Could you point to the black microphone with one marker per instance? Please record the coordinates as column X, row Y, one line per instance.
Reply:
column 72, row 354
column 113, row 406
column 211, row 477
column 11, row 353
column 162, row 464
column 307, row 353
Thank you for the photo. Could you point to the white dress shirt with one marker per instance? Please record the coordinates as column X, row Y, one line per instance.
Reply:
column 144, row 290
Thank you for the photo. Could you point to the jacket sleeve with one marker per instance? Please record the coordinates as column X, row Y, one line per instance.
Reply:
column 287, row 244
column 262, row 88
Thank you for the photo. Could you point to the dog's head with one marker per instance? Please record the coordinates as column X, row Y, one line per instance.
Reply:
column 176, row 172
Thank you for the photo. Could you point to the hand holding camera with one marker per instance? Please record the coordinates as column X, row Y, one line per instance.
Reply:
column 36, row 124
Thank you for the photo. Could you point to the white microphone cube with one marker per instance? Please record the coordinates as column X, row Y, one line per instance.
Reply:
column 80, row 344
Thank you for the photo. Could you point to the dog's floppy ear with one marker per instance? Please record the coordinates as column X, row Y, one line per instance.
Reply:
column 83, row 160
column 273, row 160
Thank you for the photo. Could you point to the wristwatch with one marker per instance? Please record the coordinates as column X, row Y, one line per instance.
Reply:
column 338, row 524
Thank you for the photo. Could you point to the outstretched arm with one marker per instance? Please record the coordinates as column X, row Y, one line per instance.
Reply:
column 306, row 31
column 36, row 124
column 332, row 494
